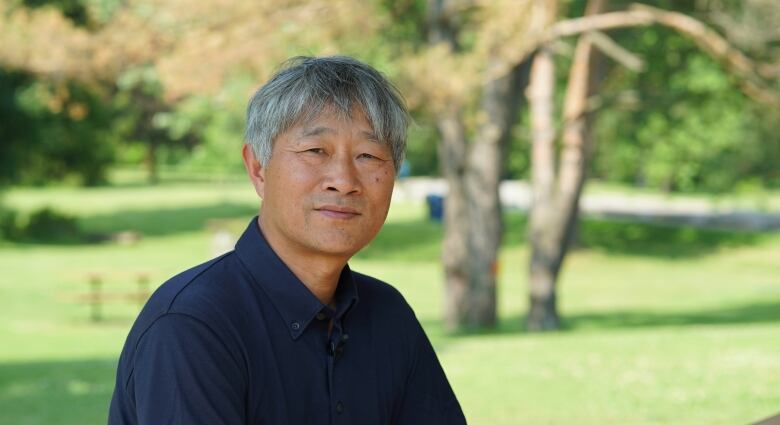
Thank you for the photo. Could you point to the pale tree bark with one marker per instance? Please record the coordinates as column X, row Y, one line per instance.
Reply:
column 542, row 313
column 557, row 192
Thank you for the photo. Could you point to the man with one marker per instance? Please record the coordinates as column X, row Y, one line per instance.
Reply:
column 280, row 330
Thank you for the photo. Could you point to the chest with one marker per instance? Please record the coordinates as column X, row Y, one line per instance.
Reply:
column 323, row 377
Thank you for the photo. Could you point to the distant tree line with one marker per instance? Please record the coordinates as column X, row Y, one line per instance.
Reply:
column 677, row 125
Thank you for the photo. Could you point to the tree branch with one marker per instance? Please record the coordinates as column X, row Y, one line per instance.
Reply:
column 615, row 51
column 712, row 43
column 600, row 22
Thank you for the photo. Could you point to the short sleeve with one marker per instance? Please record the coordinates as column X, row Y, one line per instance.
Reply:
column 428, row 398
column 184, row 374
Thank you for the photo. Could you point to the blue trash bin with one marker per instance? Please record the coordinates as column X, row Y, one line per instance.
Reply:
column 435, row 207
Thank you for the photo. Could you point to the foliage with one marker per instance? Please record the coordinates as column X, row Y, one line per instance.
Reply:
column 9, row 228
column 53, row 131
column 689, row 129
column 48, row 225
column 421, row 152
column 75, row 10
column 17, row 125
column 219, row 123
column 44, row 225
column 166, row 82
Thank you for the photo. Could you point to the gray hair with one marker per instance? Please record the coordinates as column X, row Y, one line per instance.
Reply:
column 305, row 86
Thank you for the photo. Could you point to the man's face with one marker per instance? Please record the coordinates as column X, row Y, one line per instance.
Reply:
column 327, row 186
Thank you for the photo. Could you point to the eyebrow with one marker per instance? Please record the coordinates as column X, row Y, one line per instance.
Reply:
column 316, row 131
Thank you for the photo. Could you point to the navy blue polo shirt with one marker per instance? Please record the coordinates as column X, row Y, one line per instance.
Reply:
column 241, row 340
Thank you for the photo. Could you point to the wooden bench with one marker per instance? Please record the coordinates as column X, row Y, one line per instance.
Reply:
column 97, row 296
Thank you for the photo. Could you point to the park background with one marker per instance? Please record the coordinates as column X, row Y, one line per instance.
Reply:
column 120, row 129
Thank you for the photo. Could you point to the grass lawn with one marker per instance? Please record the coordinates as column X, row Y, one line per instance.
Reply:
column 662, row 325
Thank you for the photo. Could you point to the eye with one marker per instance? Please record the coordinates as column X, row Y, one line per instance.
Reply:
column 369, row 156
column 314, row 151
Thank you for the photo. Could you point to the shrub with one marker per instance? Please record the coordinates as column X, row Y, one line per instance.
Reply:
column 48, row 225
column 9, row 228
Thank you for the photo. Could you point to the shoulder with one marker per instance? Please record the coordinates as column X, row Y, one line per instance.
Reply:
column 211, row 293
column 380, row 294
column 193, row 290
column 207, row 298
column 389, row 313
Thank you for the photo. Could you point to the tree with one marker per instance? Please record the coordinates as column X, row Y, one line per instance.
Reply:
column 556, row 196
column 472, row 158
column 149, row 63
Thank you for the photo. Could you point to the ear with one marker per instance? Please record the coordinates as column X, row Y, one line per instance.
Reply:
column 254, row 169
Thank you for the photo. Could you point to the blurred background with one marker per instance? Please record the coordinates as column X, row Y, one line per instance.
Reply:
column 586, row 223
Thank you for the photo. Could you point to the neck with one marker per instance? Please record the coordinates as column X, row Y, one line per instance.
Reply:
column 319, row 273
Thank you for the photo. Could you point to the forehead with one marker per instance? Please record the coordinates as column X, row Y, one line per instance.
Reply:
column 330, row 120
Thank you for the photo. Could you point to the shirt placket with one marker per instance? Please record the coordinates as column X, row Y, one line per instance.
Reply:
column 335, row 347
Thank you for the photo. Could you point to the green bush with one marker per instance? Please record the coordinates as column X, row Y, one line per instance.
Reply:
column 43, row 225
column 49, row 225
column 8, row 224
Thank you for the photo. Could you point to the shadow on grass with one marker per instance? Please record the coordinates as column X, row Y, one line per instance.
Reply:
column 753, row 313
column 149, row 222
column 759, row 312
column 56, row 392
column 623, row 237
column 167, row 221
column 420, row 239
column 631, row 238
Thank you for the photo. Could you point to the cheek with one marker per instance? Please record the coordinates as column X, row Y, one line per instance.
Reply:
column 384, row 175
column 383, row 182
column 293, row 178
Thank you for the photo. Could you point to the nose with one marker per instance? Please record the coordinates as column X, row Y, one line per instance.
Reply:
column 342, row 175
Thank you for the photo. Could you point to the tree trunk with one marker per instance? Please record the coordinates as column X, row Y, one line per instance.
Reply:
column 556, row 200
column 455, row 250
column 472, row 212
column 543, row 313
column 482, row 179
column 452, row 149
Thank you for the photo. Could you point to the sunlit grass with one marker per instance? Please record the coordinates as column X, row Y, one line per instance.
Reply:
column 661, row 325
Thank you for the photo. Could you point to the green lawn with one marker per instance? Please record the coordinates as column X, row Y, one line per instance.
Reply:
column 662, row 326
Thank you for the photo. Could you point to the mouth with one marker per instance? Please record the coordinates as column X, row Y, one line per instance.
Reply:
column 338, row 212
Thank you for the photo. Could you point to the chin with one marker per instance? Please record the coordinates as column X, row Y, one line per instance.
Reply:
column 340, row 249
column 341, row 243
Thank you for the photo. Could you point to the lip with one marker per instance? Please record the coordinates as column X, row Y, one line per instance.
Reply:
column 338, row 211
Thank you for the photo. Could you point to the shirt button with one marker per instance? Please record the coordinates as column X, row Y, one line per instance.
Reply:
column 295, row 326
column 321, row 316
column 339, row 407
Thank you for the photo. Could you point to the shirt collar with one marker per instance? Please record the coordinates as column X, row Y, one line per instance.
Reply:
column 292, row 299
